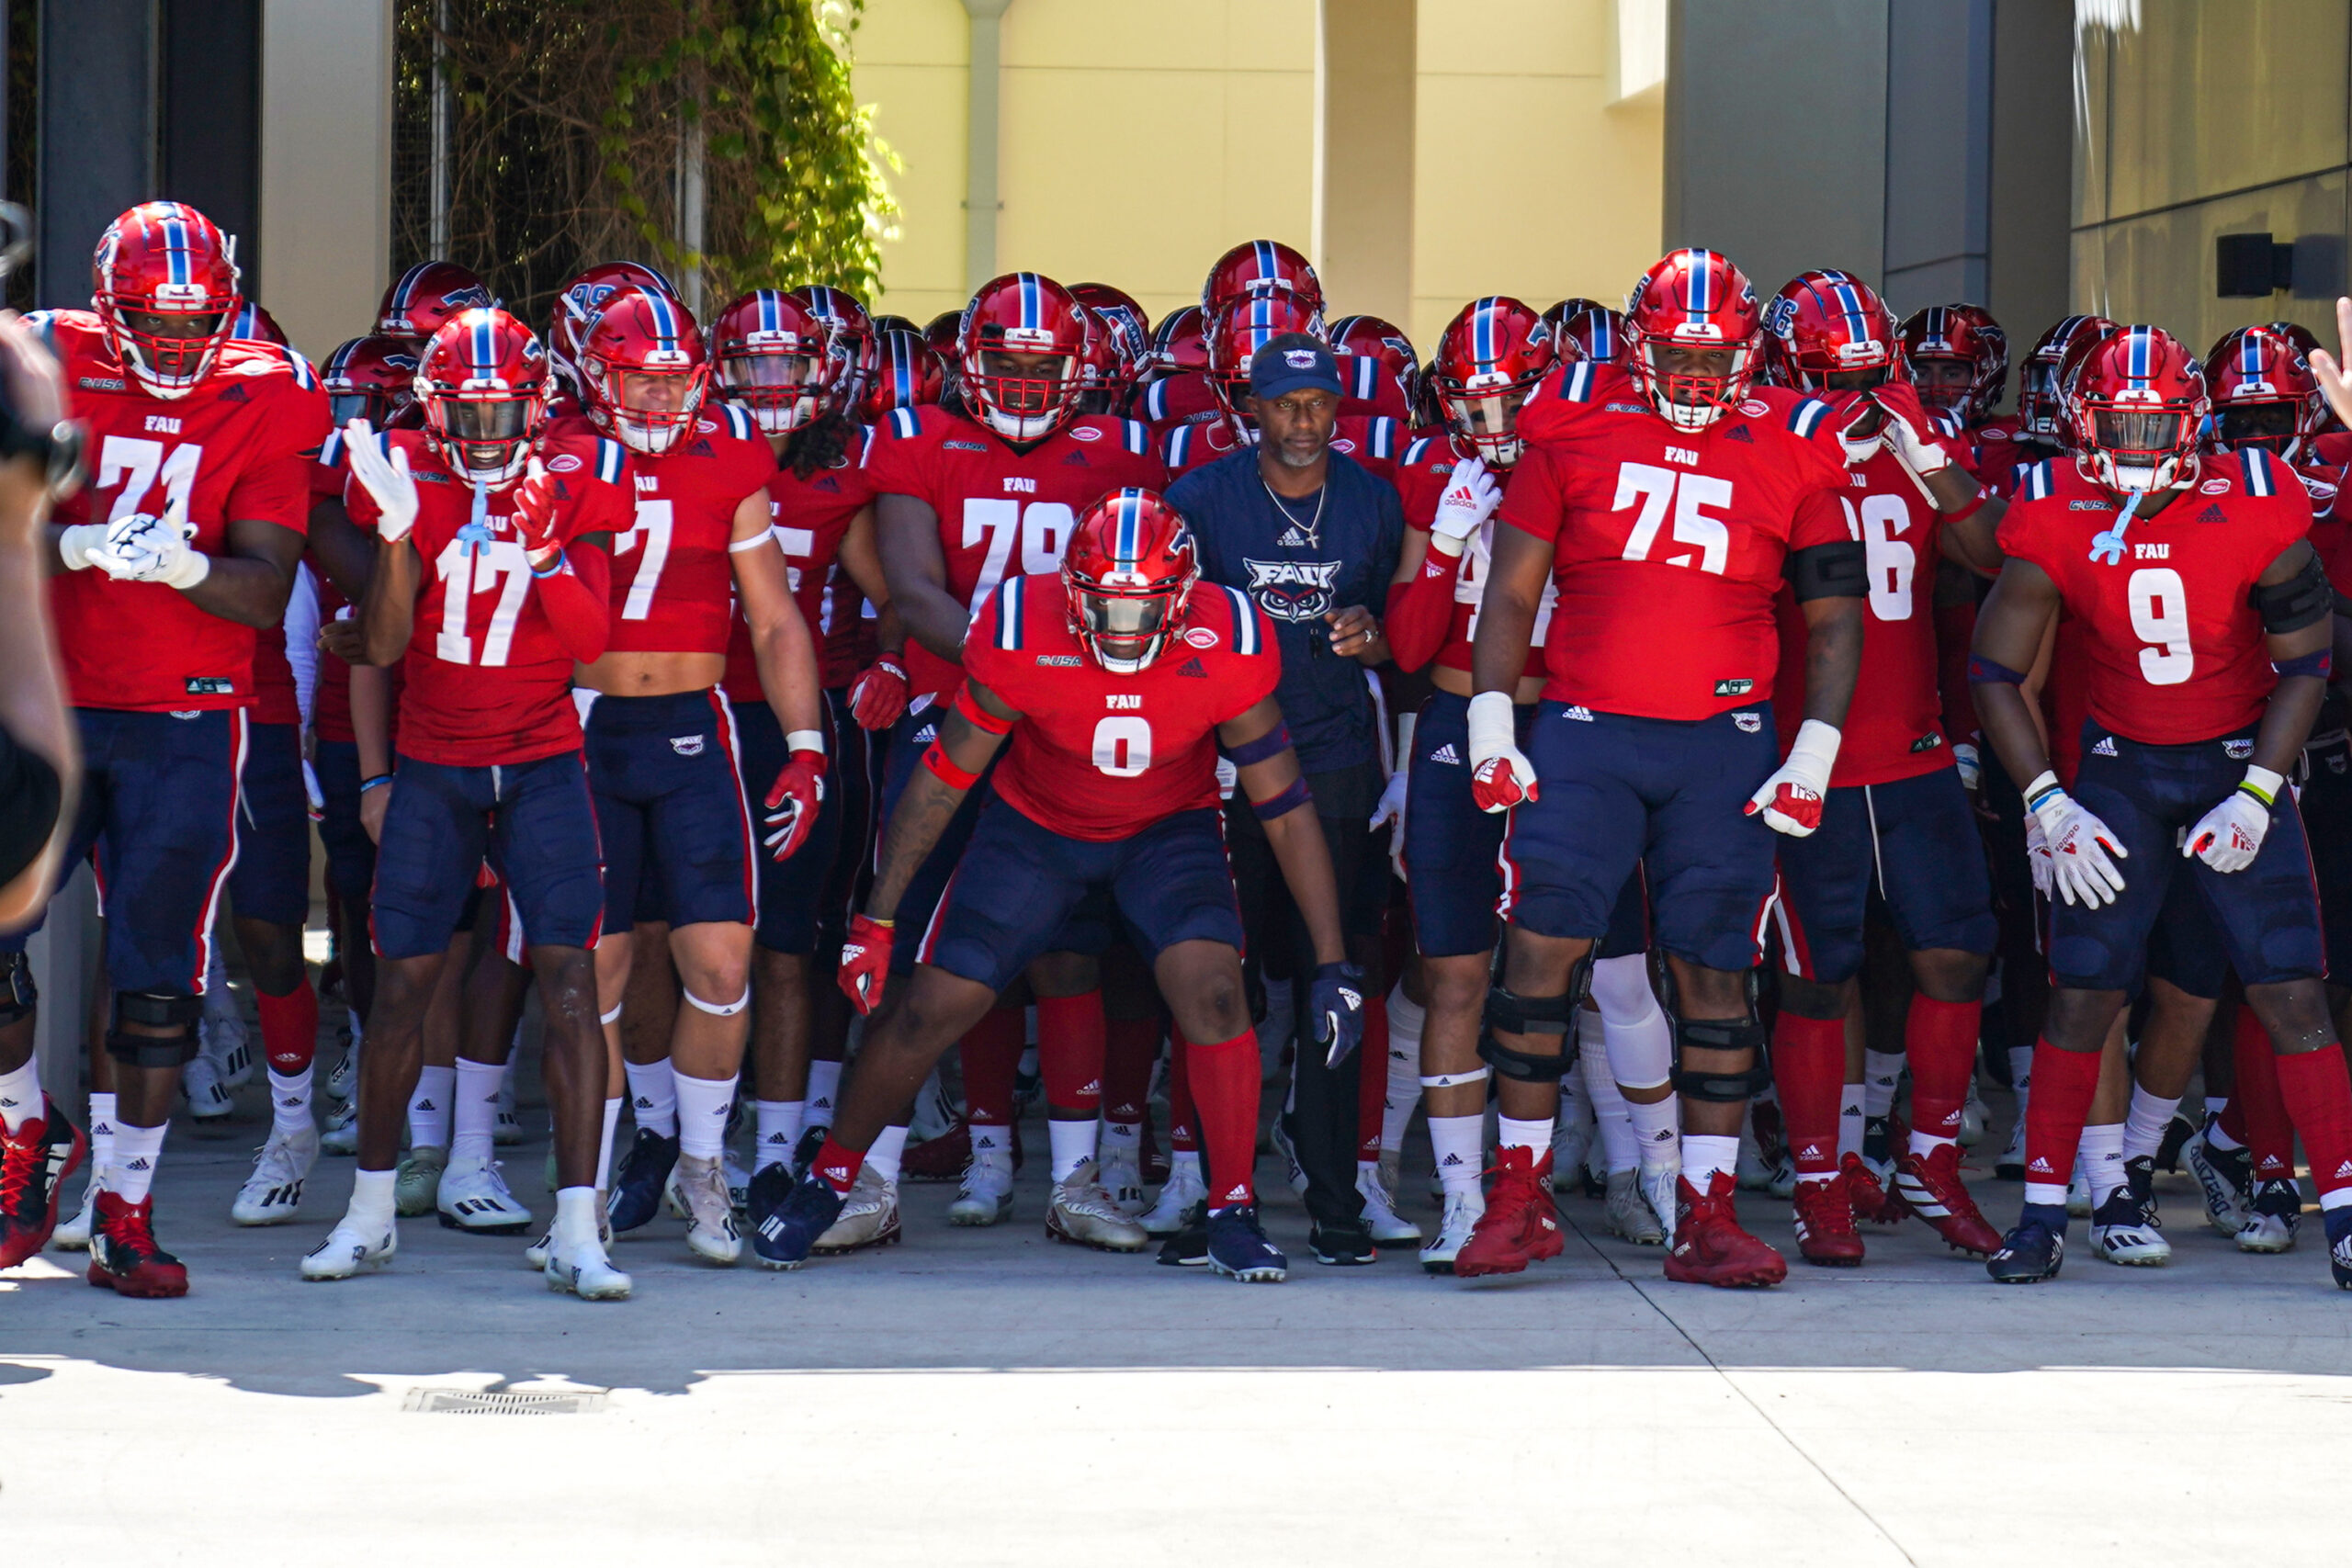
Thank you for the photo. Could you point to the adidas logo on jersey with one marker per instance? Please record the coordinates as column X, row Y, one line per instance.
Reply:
column 1076, row 460
column 1192, row 668
column 1447, row 755
column 1740, row 432
column 2213, row 513
column 829, row 484
column 1581, row 715
column 2106, row 746
column 1293, row 539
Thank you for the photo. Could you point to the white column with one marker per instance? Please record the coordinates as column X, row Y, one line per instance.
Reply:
column 326, row 164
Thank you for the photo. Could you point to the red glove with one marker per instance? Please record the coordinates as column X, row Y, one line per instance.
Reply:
column 878, row 696
column 793, row 799
column 865, row 962
column 535, row 510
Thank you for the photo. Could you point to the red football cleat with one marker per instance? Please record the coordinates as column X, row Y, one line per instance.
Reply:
column 1873, row 1204
column 1519, row 1227
column 1824, row 1223
column 123, row 1254
column 1933, row 1191
column 34, row 1163
column 1709, row 1246
column 942, row 1158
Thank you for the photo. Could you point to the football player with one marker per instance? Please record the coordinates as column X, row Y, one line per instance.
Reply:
column 422, row 299
column 1236, row 334
column 1670, row 492
column 962, row 502
column 1382, row 372
column 182, row 545
column 1175, row 375
column 1118, row 680
column 2208, row 655
column 517, row 526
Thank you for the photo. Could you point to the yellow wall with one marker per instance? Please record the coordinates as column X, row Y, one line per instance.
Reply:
column 1139, row 138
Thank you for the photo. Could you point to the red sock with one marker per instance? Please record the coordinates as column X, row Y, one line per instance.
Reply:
column 836, row 1166
column 1940, row 1039
column 1225, row 1077
column 1808, row 1075
column 991, row 1060
column 1130, row 1045
column 1371, row 1078
column 2064, row 1083
column 1069, row 1050
column 2320, row 1096
column 290, row 1027
column 1184, row 1117
column 2270, row 1134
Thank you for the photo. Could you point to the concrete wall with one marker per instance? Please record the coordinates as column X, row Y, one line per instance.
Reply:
column 326, row 162
column 1365, row 231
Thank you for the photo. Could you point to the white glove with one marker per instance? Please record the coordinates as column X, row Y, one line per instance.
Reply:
column 2228, row 837
column 2079, row 845
column 2037, row 855
column 311, row 792
column 1861, row 449
column 1971, row 763
column 386, row 482
column 79, row 543
column 1913, row 443
column 1471, row 496
column 1792, row 798
column 143, row 548
column 1391, row 810
column 1500, row 774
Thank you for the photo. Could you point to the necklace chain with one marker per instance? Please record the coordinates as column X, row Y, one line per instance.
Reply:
column 1314, row 526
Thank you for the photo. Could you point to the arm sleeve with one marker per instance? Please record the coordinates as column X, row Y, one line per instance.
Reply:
column 1421, row 611
column 573, row 597
column 302, row 639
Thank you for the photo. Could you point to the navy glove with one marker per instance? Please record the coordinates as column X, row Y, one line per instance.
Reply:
column 1338, row 1001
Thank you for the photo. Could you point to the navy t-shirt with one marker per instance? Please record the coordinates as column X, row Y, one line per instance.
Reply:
column 1299, row 567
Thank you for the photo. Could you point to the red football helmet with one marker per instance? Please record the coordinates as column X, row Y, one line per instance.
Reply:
column 1129, row 570
column 1491, row 355
column 1030, row 315
column 641, row 336
column 910, row 377
column 1103, row 297
column 851, row 328
column 2041, row 404
column 1368, row 349
column 254, row 325
column 1829, row 323
column 1240, row 330
column 2264, row 392
column 373, row 378
column 1557, row 318
column 577, row 303
column 886, row 324
column 781, row 363
column 1180, row 343
column 164, row 283
column 1130, row 335
column 2137, row 403
column 1262, row 267
column 1966, row 336
column 427, row 295
column 1597, row 334
column 1692, row 299
column 485, row 383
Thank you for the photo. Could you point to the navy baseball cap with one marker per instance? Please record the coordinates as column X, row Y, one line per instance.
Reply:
column 1290, row 362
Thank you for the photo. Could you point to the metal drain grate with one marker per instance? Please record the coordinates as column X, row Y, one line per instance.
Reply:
column 467, row 1402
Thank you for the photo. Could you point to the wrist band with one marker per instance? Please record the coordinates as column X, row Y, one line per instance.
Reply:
column 2262, row 783
column 2044, row 786
column 368, row 784
column 805, row 740
column 1975, row 504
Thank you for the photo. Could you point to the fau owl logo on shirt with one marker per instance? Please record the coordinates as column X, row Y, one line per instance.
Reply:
column 1292, row 590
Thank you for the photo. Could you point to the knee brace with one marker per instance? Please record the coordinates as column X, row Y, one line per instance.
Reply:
column 718, row 1009
column 1515, row 1014
column 1721, row 1034
column 18, row 992
column 156, row 1011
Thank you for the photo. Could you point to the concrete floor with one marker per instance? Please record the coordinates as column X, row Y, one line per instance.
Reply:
column 986, row 1396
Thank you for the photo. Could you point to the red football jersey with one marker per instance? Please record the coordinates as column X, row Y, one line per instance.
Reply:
column 487, row 679
column 275, row 701
column 2174, row 654
column 1420, row 481
column 992, row 498
column 810, row 517
column 1373, row 442
column 1668, row 544
column 236, row 448
column 1098, row 756
column 1993, row 452
column 1894, row 726
column 673, row 578
column 1184, row 398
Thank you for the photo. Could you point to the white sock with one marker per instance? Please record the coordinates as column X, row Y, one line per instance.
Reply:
column 1456, row 1141
column 1620, row 1150
column 702, row 1107
column 2102, row 1159
column 1073, row 1145
column 428, row 1108
column 2020, row 1072
column 289, row 1102
column 476, row 1119
column 778, row 1121
column 219, row 1003
column 605, row 1143
column 1850, row 1120
column 2216, row 1105
column 1703, row 1153
column 576, row 1209
column 359, row 1030
column 1532, row 1135
column 1658, row 1132
column 653, row 1096
column 2144, row 1127
column 20, row 1099
column 1576, row 1105
column 1406, row 1017
column 101, row 1131
column 371, row 1199
column 1882, row 1072
column 884, row 1154
column 1122, row 1141
column 136, row 1150
column 824, row 1083
column 990, row 1146
column 2215, row 1134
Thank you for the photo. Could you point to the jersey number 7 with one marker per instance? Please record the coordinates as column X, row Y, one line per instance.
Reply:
column 1659, row 490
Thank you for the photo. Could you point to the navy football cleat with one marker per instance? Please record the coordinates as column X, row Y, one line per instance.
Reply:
column 636, row 1197
column 2339, row 1245
column 784, row 1232
column 1238, row 1248
column 2033, row 1250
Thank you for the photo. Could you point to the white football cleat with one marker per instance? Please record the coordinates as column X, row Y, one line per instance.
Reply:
column 507, row 1131
column 710, row 1217
column 2010, row 1167
column 1388, row 1228
column 582, row 1270
column 1182, row 1189
column 982, row 1198
column 1122, row 1180
column 208, row 1096
column 1572, row 1144
column 227, row 1044
column 534, row 1257
column 1658, row 1184
column 1630, row 1214
column 416, row 1185
column 738, row 1181
column 474, row 1197
column 1463, row 1211
column 1280, row 1136
column 273, row 1194
column 2273, row 1217
column 348, row 1248
column 2078, row 1196
column 1973, row 1116
column 2121, row 1233
column 2224, row 1177
column 342, row 1135
column 73, row 1232
column 869, row 1216
column 1081, row 1212
column 342, row 1080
